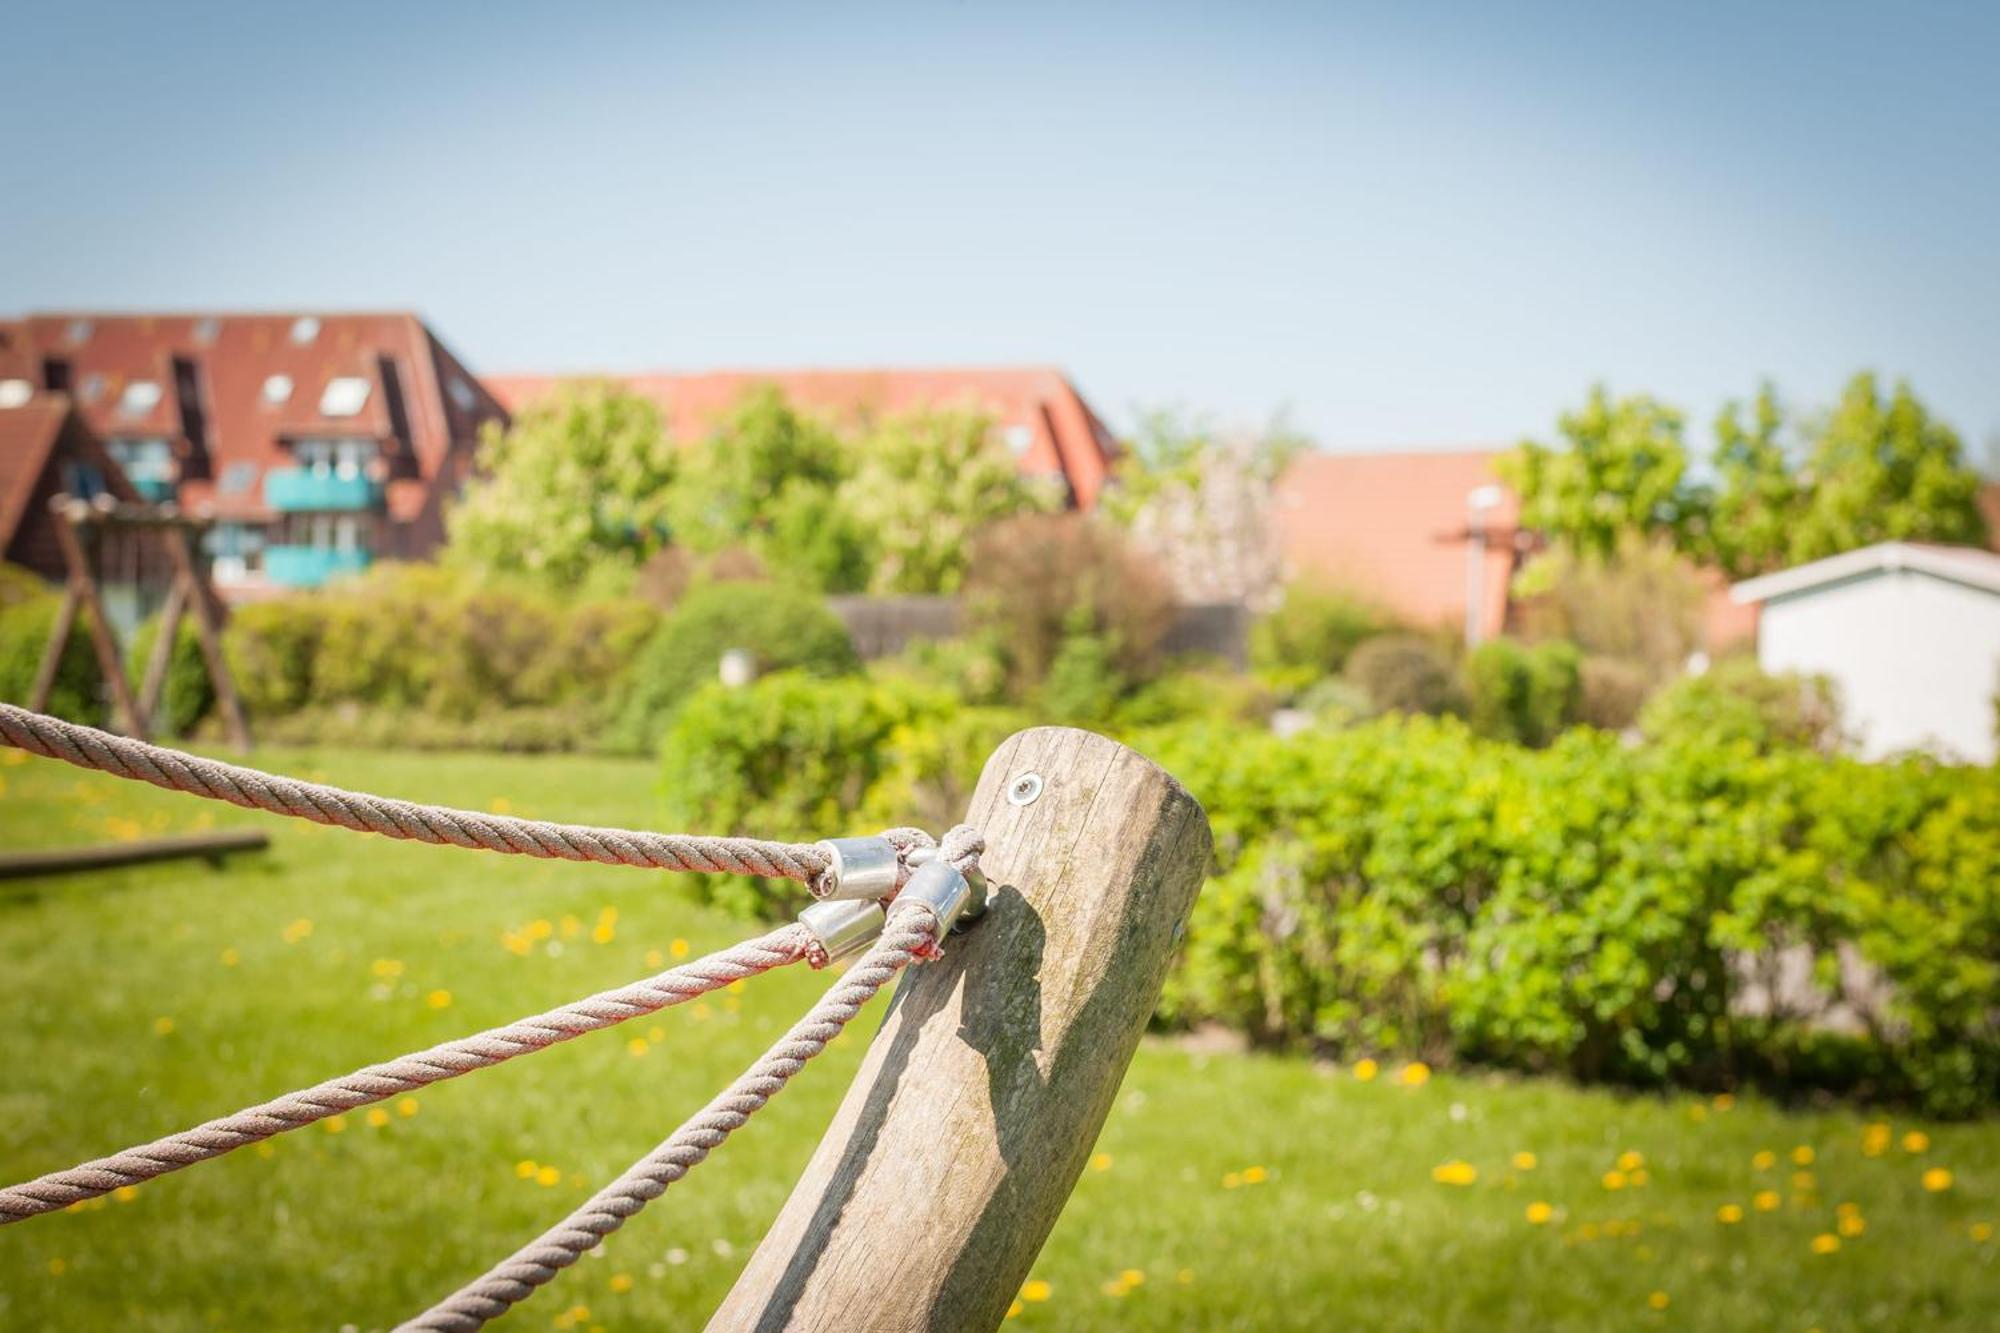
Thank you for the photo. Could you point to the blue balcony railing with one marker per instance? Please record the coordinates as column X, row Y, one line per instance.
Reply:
column 294, row 489
column 310, row 566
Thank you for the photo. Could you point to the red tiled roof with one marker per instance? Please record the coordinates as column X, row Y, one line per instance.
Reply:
column 30, row 437
column 1037, row 411
column 235, row 356
column 1393, row 527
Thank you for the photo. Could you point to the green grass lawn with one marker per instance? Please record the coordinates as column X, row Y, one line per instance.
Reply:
column 1229, row 1191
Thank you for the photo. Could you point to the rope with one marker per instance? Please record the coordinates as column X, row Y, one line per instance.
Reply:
column 910, row 933
column 379, row 1082
column 87, row 747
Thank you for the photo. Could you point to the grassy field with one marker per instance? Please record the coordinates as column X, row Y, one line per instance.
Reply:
column 1228, row 1192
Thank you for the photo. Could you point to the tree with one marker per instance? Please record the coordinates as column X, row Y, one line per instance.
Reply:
column 1623, row 471
column 578, row 483
column 1885, row 471
column 926, row 483
column 769, row 479
column 1199, row 501
column 1759, row 496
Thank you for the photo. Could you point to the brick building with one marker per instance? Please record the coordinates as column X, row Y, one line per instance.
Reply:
column 318, row 443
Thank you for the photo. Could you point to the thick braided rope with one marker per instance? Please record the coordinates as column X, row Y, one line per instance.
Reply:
column 910, row 933
column 87, row 747
column 378, row 1082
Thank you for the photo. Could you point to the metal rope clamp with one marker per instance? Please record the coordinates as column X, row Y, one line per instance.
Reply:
column 864, row 872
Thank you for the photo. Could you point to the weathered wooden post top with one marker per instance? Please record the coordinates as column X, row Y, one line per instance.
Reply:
column 978, row 1103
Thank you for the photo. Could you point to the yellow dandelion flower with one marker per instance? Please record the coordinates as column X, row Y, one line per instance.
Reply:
column 548, row 1177
column 621, row 1282
column 1803, row 1182
column 1658, row 1300
column 1415, row 1074
column 1916, row 1141
column 1765, row 1201
column 1724, row 1101
column 1937, row 1180
column 1524, row 1161
column 1614, row 1180
column 1825, row 1243
column 1729, row 1214
column 1697, row 1113
column 163, row 1026
column 679, row 948
column 1035, row 1290
column 377, row 1117
column 1847, row 1208
column 230, row 958
column 1875, row 1139
column 736, row 987
column 438, row 999
column 1980, row 1231
column 335, row 1124
column 1455, row 1173
column 406, row 1107
column 1631, row 1161
column 500, row 805
column 638, row 1046
column 1851, row 1225
column 125, row 1193
column 1232, row 1180
column 1639, row 1178
column 1115, row 1288
column 654, row 958
column 296, row 931
column 1133, row 1277
column 525, row 1169
column 388, row 969
column 1255, row 1175
column 1764, row 1160
column 1015, row 1308
column 1539, row 1213
column 603, row 933
column 1100, row 1161
column 1802, row 1155
column 1365, row 1070
column 57, row 1267
column 539, row 929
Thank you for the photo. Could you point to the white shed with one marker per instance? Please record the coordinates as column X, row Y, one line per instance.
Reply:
column 1909, row 633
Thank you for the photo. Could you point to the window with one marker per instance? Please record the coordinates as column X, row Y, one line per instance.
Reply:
column 277, row 390
column 345, row 396
column 206, row 329
column 304, row 329
column 238, row 478
column 78, row 332
column 462, row 394
column 15, row 393
column 1017, row 437
column 139, row 398
column 144, row 460
column 91, row 389
column 343, row 458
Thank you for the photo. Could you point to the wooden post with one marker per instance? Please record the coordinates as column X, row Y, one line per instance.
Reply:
column 977, row 1106
column 208, row 629
column 68, row 515
column 52, row 656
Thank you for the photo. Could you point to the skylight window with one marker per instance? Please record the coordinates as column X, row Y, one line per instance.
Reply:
column 345, row 396
column 304, row 329
column 92, row 387
column 15, row 393
column 1017, row 437
column 277, row 390
column 78, row 331
column 206, row 329
column 139, row 398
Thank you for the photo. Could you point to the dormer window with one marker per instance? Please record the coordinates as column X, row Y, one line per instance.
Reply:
column 15, row 393
column 345, row 396
column 139, row 398
column 304, row 329
column 277, row 390
column 78, row 332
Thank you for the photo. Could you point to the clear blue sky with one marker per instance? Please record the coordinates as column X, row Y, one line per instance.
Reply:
column 1416, row 225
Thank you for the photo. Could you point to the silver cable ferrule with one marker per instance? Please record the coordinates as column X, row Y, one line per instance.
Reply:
column 860, row 868
column 843, row 928
column 946, row 890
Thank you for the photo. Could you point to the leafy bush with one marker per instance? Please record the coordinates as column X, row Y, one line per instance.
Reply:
column 1185, row 696
column 1610, row 692
column 1314, row 630
column 1521, row 693
column 1735, row 701
column 1601, row 910
column 781, row 628
column 1405, row 673
column 187, row 694
column 1039, row 581
column 271, row 647
column 28, row 609
column 788, row 756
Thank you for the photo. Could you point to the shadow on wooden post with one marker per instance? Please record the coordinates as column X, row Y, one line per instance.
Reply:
column 979, row 1101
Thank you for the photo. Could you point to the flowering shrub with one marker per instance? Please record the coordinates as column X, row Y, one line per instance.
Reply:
column 1693, row 911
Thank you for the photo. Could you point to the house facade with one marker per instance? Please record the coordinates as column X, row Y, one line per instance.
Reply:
column 1909, row 634
column 1037, row 414
column 317, row 443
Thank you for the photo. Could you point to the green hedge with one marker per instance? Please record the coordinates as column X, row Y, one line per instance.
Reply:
column 1597, row 909
column 27, row 615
